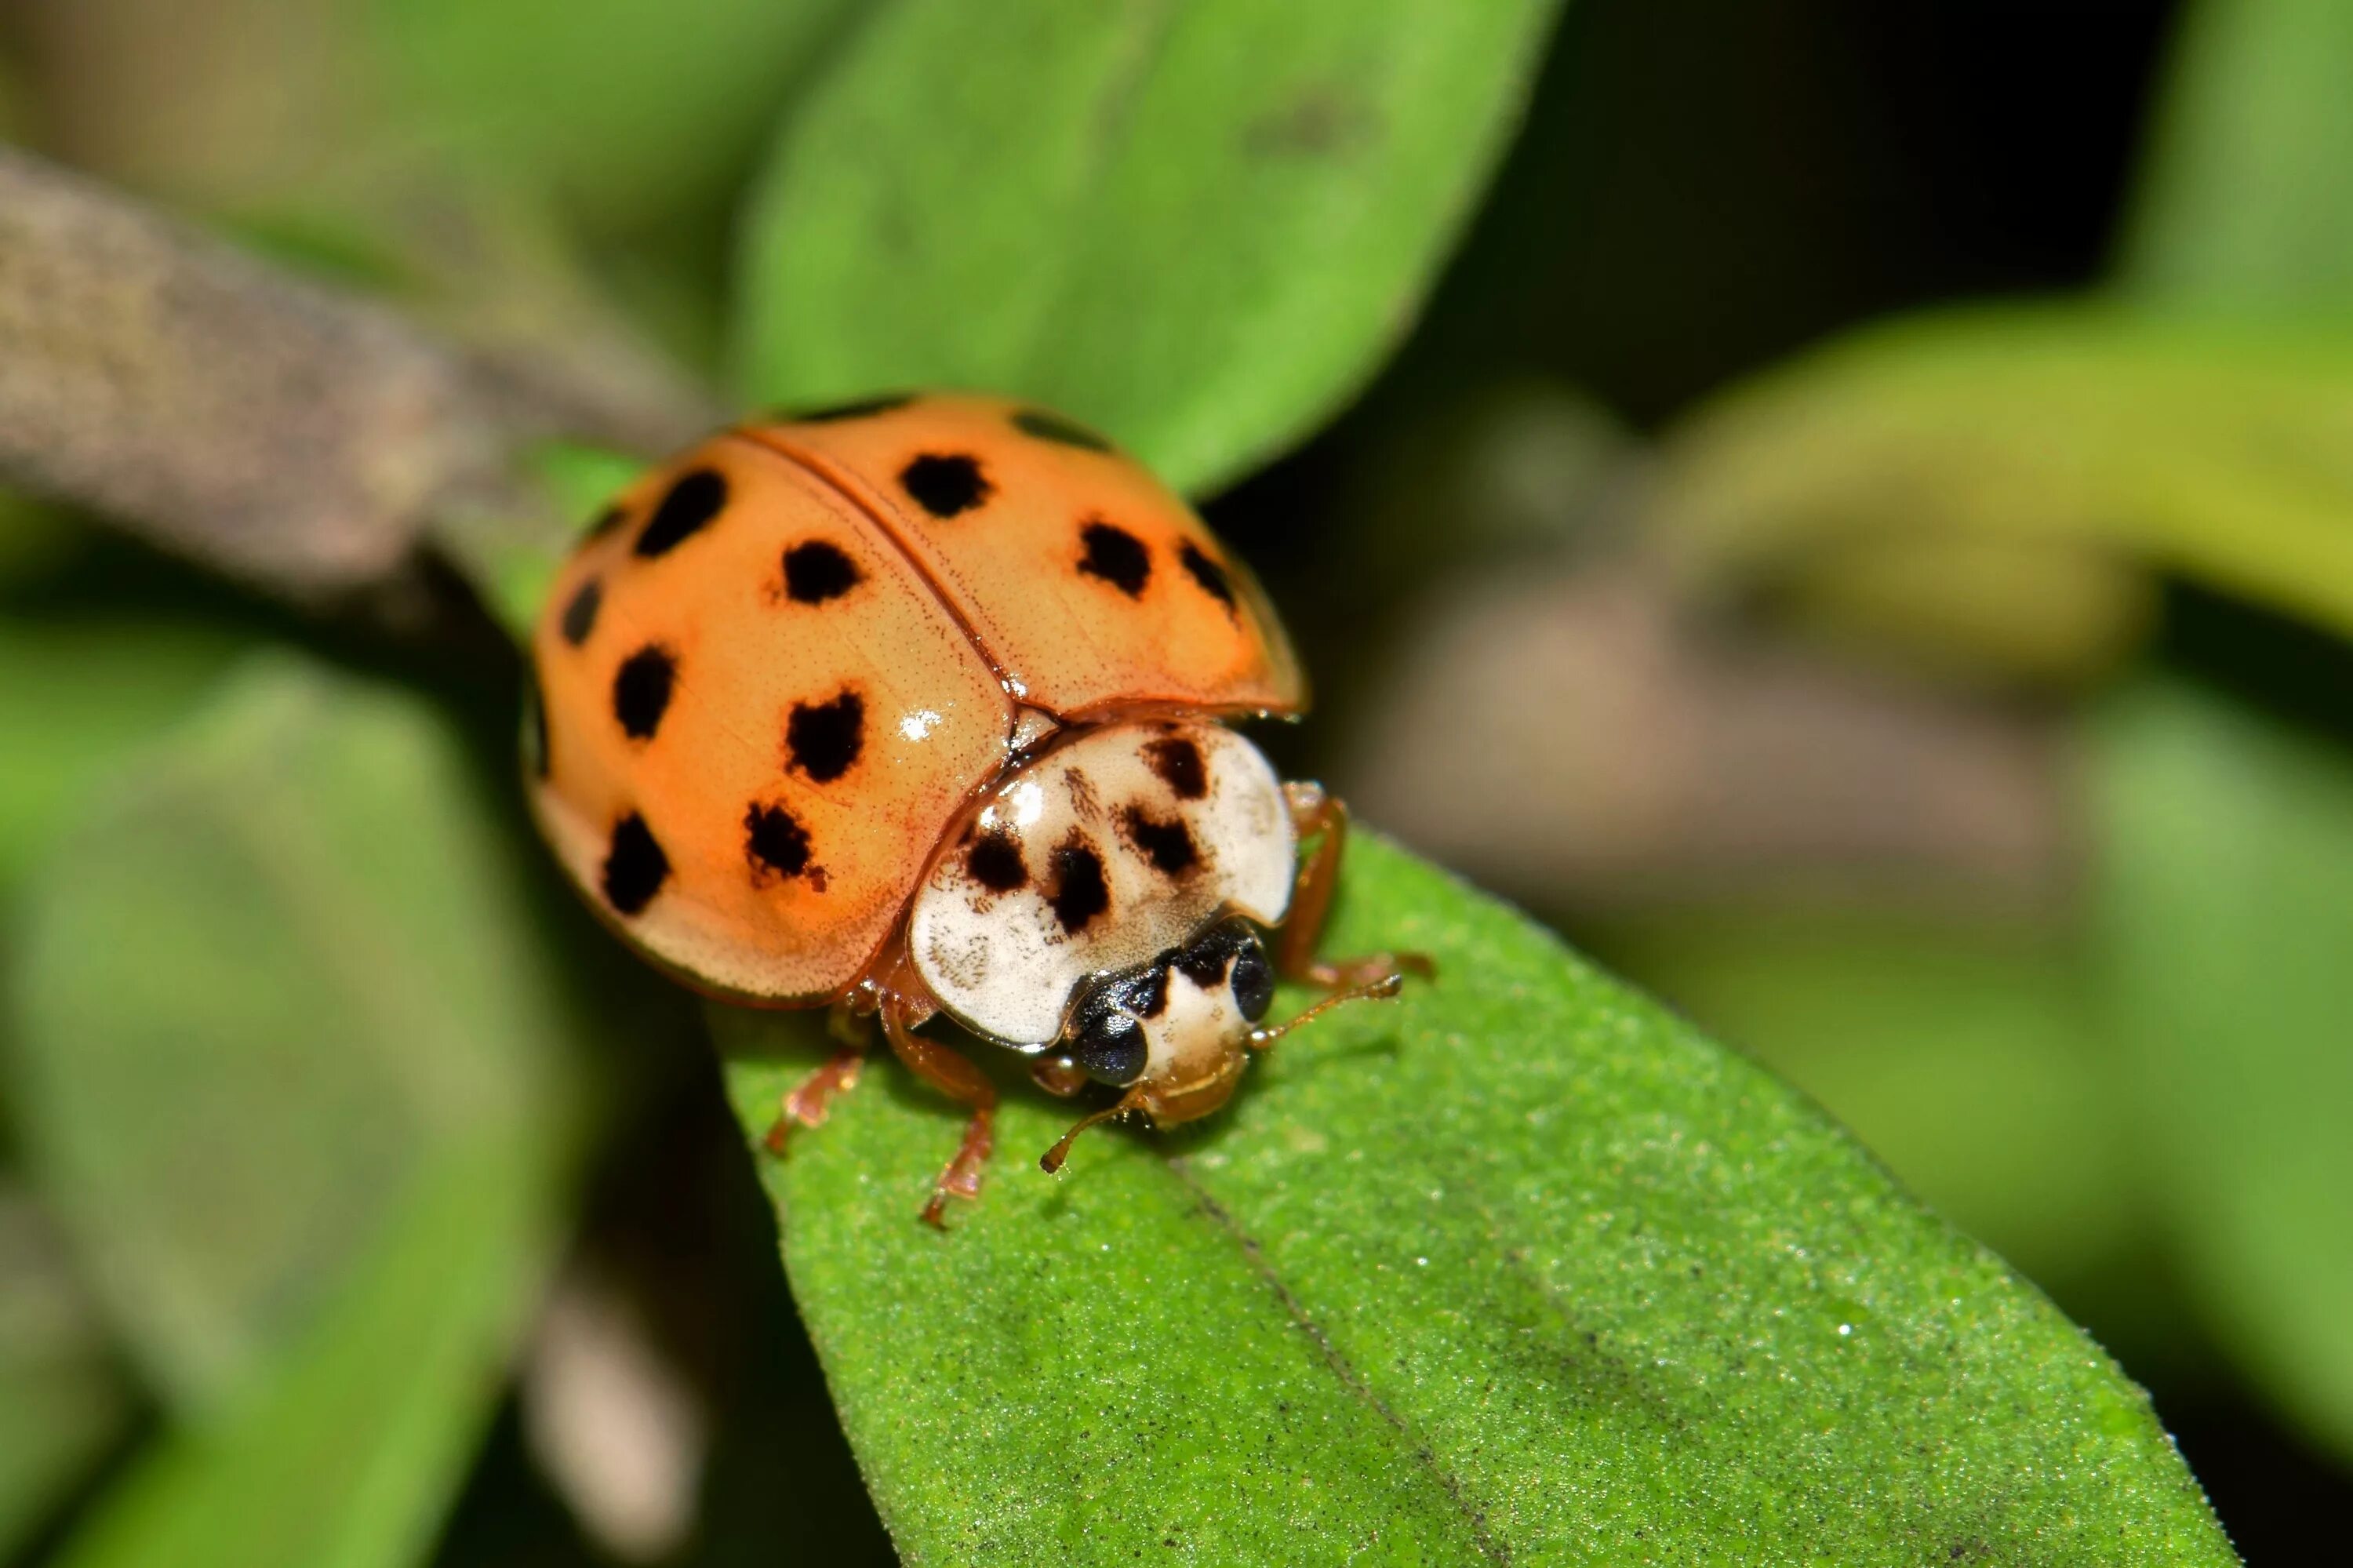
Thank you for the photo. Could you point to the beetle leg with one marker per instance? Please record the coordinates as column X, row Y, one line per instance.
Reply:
column 1320, row 816
column 946, row 1069
column 806, row 1106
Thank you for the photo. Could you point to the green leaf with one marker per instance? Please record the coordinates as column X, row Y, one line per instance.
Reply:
column 2244, row 203
column 297, row 1071
column 625, row 112
column 62, row 1399
column 1198, row 224
column 75, row 698
column 2213, row 450
column 1937, row 1040
column 1520, row 1268
column 2224, row 889
column 348, row 1449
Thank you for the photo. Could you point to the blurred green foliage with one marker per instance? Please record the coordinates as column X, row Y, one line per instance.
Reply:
column 2243, row 205
column 2223, row 892
column 62, row 1399
column 299, row 1074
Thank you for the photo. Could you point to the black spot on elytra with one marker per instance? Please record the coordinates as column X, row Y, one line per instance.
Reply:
column 1207, row 573
column 860, row 409
column 534, row 725
column 1051, row 427
column 605, row 522
column 1167, row 845
column 580, row 615
column 1117, row 557
column 635, row 867
column 815, row 571
column 944, row 485
column 1076, row 891
column 641, row 689
column 995, row 862
column 693, row 501
column 774, row 841
column 1178, row 763
column 823, row 739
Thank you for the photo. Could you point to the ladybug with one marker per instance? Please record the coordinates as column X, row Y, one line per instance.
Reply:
column 918, row 706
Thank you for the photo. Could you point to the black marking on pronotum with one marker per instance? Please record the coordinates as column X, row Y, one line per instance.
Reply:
column 1178, row 763
column 605, row 522
column 1147, row 994
column 694, row 500
column 580, row 615
column 1207, row 573
column 534, row 724
column 815, row 571
column 1050, row 427
column 860, row 409
column 946, row 483
column 641, row 689
column 774, row 842
column 1205, row 963
column 1116, row 556
column 823, row 739
column 635, row 867
column 995, row 862
column 1167, row 845
column 1077, row 892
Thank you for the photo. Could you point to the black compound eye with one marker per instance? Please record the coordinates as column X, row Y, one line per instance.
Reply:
column 1254, row 982
column 1109, row 1048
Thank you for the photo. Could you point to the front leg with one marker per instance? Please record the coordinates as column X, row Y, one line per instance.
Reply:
column 946, row 1069
column 1322, row 817
column 808, row 1104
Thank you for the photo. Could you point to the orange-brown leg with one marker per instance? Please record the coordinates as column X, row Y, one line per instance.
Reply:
column 1320, row 816
column 946, row 1070
column 807, row 1104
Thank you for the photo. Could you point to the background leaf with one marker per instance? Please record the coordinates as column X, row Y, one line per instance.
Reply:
column 62, row 1398
column 1107, row 209
column 2225, row 890
column 620, row 111
column 1520, row 1268
column 2220, row 451
column 299, row 1072
column 1946, row 1037
column 75, row 698
column 2244, row 203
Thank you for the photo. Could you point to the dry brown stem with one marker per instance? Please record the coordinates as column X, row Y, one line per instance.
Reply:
column 271, row 428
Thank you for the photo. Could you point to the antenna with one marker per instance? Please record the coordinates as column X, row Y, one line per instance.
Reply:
column 1385, row 988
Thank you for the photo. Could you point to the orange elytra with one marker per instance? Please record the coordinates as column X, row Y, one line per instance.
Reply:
column 916, row 705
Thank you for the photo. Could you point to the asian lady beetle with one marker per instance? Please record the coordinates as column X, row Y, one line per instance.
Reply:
column 914, row 706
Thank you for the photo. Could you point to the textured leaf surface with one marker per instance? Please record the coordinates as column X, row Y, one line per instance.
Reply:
column 1520, row 1269
column 292, row 1067
column 1196, row 224
column 1939, row 1042
column 2224, row 893
column 2215, row 452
